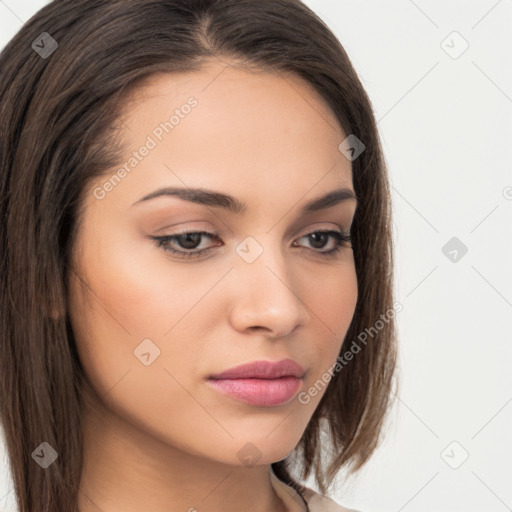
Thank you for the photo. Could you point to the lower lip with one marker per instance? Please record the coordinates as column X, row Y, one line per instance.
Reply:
column 259, row 392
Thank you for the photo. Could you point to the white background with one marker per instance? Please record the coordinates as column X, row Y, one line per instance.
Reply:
column 446, row 126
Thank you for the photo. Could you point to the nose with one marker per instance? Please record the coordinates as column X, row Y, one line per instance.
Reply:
column 266, row 296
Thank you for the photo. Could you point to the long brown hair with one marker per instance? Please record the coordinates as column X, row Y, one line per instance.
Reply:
column 58, row 108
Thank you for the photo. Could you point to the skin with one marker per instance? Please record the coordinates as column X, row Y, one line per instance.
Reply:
column 157, row 437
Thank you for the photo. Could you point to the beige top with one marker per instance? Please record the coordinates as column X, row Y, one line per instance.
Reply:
column 316, row 502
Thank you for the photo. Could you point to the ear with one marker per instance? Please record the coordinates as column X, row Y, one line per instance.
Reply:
column 54, row 309
column 56, row 313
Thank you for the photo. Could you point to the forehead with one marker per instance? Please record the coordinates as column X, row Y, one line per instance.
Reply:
column 253, row 128
column 230, row 82
column 229, row 98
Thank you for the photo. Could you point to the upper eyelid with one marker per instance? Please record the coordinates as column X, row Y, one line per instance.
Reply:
column 214, row 235
column 208, row 230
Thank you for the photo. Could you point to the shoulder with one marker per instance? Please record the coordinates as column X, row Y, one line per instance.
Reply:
column 316, row 502
column 319, row 503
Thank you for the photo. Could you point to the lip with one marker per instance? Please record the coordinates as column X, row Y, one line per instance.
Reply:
column 259, row 392
column 262, row 370
column 260, row 383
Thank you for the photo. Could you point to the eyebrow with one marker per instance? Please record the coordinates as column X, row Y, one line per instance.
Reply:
column 230, row 203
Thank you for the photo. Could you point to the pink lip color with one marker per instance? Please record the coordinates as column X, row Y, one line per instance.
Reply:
column 259, row 392
column 260, row 383
column 263, row 370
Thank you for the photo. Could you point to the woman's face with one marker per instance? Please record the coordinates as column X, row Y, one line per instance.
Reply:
column 152, row 325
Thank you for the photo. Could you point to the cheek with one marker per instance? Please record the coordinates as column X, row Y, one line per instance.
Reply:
column 123, row 303
column 338, row 295
column 131, row 293
column 333, row 302
column 135, row 289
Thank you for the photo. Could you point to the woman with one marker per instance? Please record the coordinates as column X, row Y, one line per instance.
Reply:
column 197, row 227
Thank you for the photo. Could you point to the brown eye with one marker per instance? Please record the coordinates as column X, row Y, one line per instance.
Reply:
column 188, row 241
column 319, row 238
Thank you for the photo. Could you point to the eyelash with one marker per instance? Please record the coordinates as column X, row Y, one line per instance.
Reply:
column 342, row 240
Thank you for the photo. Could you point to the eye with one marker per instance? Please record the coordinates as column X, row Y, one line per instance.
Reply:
column 189, row 241
column 340, row 239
